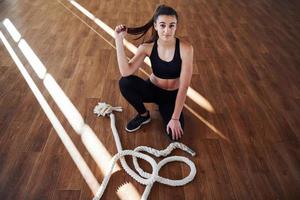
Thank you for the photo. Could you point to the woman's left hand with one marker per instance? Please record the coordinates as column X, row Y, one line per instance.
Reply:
column 175, row 127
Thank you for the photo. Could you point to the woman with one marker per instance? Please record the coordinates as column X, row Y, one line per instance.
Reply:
column 172, row 66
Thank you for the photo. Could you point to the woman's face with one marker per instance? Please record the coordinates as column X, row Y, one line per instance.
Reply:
column 165, row 26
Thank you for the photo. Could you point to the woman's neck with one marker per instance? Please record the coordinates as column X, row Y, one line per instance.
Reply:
column 166, row 44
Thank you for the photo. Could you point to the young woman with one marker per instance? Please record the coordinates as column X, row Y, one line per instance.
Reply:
column 172, row 67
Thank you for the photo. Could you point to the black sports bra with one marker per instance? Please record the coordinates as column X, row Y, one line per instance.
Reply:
column 163, row 69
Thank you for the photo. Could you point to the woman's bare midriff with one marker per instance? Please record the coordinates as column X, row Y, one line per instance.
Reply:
column 166, row 84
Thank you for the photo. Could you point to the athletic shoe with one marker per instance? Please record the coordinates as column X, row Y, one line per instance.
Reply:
column 137, row 122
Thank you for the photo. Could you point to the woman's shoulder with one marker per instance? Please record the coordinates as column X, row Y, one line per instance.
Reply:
column 185, row 45
column 186, row 48
column 147, row 44
column 147, row 47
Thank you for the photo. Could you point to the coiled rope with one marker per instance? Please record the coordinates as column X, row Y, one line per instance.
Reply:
column 103, row 109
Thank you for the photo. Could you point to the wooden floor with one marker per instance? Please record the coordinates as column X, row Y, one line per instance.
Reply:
column 247, row 66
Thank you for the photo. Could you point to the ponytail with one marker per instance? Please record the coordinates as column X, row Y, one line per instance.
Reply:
column 142, row 30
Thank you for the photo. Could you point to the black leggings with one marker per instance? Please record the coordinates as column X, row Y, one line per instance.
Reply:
column 138, row 91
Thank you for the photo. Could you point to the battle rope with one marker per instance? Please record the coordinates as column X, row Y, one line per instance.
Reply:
column 103, row 109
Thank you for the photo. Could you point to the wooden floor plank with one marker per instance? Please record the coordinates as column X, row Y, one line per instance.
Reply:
column 246, row 65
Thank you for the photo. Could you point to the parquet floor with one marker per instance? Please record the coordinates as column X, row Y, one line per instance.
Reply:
column 246, row 66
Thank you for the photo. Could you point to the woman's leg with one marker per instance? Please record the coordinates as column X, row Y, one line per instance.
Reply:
column 137, row 91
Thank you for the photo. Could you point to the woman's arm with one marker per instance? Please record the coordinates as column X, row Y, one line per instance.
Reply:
column 184, row 80
column 127, row 68
column 187, row 53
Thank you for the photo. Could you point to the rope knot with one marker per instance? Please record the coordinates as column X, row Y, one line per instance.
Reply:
column 104, row 109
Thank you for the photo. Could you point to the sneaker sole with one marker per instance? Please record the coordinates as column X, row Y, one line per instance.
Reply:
column 145, row 122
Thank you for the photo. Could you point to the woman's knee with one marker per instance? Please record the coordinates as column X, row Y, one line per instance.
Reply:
column 126, row 82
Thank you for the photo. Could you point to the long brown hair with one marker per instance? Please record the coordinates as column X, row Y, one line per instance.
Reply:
column 142, row 30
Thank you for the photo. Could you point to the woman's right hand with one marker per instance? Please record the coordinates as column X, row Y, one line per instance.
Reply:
column 120, row 31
